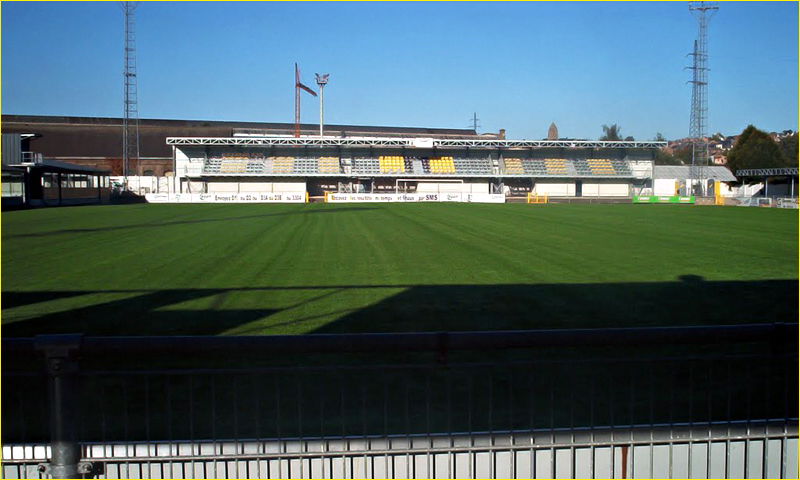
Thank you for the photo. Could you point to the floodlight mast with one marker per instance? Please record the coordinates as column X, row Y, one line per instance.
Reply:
column 322, row 80
column 130, row 122
column 698, row 119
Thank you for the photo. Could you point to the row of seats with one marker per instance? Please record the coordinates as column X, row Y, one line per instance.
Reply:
column 418, row 166
column 565, row 167
column 329, row 165
column 273, row 165
column 367, row 166
column 445, row 165
column 441, row 165
column 556, row 166
column 473, row 166
column 392, row 164
column 514, row 166
column 282, row 165
column 621, row 167
column 602, row 166
column 536, row 166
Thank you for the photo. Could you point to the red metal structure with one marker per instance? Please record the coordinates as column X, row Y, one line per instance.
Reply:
column 298, row 85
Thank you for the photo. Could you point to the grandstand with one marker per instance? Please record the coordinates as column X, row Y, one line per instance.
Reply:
column 319, row 166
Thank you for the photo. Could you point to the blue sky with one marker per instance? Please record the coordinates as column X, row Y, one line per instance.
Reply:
column 520, row 66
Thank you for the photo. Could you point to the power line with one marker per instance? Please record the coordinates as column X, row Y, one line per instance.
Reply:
column 474, row 122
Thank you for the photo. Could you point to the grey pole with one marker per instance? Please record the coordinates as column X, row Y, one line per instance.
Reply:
column 322, row 80
column 321, row 108
column 766, row 186
column 62, row 379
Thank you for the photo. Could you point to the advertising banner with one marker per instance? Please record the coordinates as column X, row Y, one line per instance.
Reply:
column 485, row 197
column 414, row 197
column 663, row 199
column 276, row 197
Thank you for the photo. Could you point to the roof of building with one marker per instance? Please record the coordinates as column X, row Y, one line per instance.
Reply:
column 84, row 137
column 59, row 167
column 684, row 171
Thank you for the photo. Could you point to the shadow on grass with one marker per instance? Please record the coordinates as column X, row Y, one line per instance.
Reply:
column 18, row 299
column 136, row 315
column 332, row 395
column 184, row 222
column 688, row 301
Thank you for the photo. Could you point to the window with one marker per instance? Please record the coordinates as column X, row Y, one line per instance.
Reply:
column 13, row 185
column 49, row 180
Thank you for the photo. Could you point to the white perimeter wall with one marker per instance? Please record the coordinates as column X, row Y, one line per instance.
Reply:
column 554, row 189
column 605, row 190
column 220, row 187
column 664, row 186
column 255, row 187
column 147, row 184
column 451, row 187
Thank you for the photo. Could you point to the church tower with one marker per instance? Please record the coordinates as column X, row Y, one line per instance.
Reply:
column 552, row 132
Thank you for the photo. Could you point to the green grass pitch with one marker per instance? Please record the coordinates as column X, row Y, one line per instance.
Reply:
column 292, row 269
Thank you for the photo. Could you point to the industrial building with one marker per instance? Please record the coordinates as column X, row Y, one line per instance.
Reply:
column 97, row 142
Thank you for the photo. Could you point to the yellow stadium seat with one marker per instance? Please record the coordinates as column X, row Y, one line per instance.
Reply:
column 514, row 166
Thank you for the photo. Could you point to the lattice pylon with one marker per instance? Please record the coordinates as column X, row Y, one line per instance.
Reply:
column 130, row 122
column 698, row 117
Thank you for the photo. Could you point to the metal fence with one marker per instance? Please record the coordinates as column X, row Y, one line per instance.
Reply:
column 635, row 402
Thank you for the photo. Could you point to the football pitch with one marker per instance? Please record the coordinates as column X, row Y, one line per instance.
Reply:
column 328, row 268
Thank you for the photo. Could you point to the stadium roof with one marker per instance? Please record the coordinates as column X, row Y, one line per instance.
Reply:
column 405, row 142
column 767, row 172
column 715, row 172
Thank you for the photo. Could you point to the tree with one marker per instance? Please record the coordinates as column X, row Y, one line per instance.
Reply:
column 611, row 133
column 630, row 139
column 664, row 158
column 683, row 154
column 755, row 149
column 788, row 147
column 659, row 137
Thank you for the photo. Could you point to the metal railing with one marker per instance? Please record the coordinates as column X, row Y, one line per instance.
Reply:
column 32, row 157
column 621, row 402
